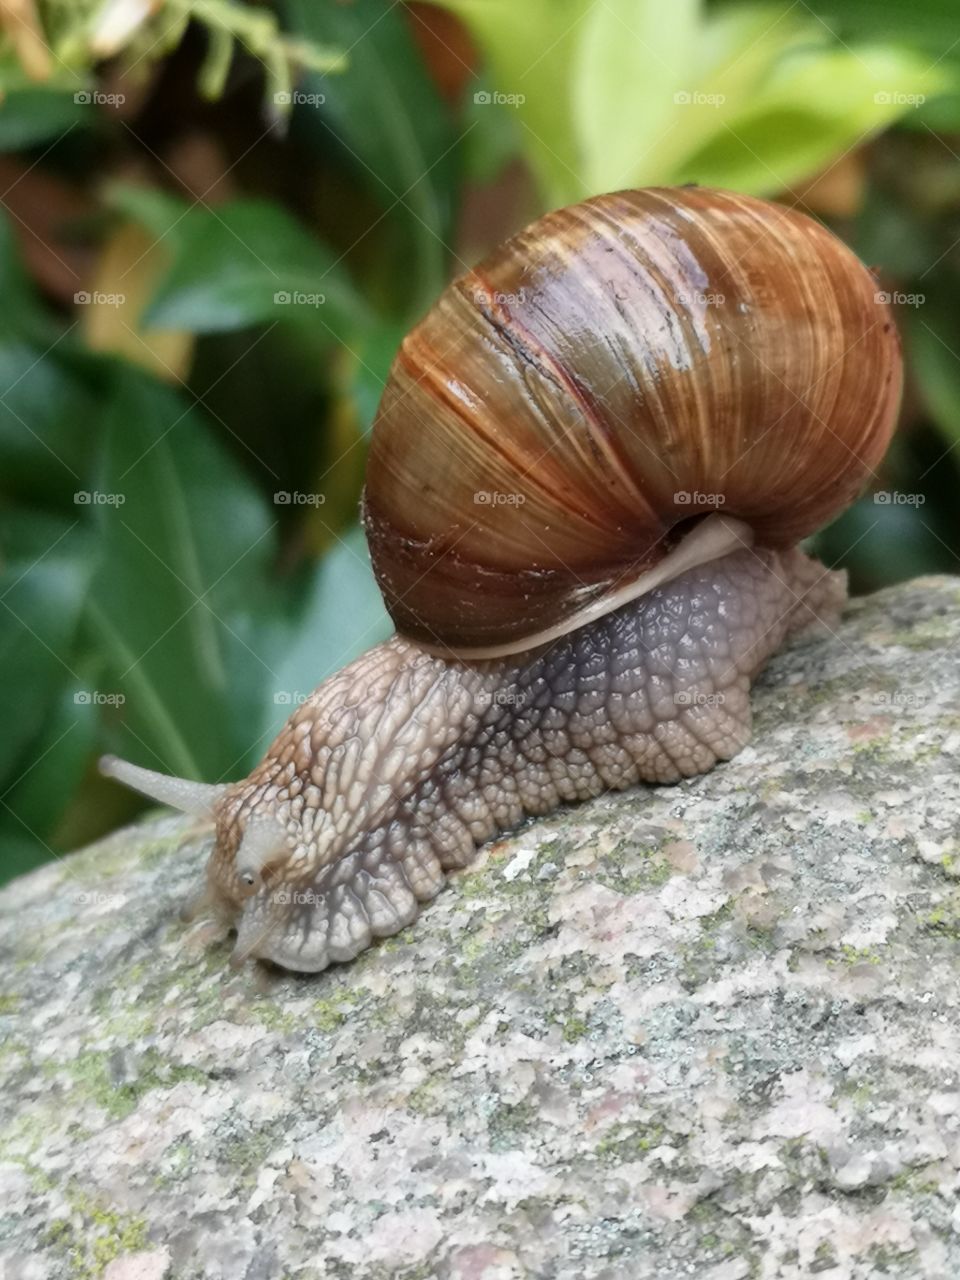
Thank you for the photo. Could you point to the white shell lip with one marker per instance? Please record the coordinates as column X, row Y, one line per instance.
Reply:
column 711, row 538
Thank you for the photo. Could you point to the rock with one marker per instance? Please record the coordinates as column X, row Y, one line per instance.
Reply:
column 710, row 1030
column 139, row 1266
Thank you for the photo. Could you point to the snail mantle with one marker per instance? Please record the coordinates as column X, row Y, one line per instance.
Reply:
column 710, row 1029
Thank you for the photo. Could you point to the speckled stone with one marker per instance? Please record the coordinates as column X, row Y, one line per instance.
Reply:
column 710, row 1030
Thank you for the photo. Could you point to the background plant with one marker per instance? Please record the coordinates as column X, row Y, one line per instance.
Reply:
column 218, row 220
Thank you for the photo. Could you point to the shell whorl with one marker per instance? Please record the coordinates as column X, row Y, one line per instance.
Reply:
column 542, row 424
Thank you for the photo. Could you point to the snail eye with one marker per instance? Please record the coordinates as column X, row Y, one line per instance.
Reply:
column 250, row 882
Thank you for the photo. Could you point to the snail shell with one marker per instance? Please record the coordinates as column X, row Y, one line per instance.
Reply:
column 569, row 408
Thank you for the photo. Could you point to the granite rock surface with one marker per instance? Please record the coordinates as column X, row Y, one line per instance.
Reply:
column 710, row 1030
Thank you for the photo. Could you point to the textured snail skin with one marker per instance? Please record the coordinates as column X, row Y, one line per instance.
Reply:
column 401, row 764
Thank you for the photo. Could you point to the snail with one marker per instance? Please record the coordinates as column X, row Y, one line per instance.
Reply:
column 589, row 475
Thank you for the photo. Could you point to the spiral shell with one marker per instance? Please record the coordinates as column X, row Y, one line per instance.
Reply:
column 569, row 408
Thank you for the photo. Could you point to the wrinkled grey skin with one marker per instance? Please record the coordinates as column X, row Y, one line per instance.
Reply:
column 399, row 766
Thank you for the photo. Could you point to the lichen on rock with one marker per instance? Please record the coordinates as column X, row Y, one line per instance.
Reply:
column 707, row 1030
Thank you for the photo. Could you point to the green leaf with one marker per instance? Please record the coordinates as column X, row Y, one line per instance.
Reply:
column 933, row 343
column 50, row 419
column 21, row 312
column 393, row 128
column 32, row 116
column 882, row 543
column 632, row 92
column 926, row 24
column 159, row 211
column 531, row 49
column 492, row 138
column 55, row 763
column 816, row 104
column 941, row 113
column 22, row 852
column 44, row 574
column 186, row 550
column 890, row 235
column 368, row 363
column 340, row 616
column 631, row 69
column 50, row 394
column 249, row 262
column 734, row 53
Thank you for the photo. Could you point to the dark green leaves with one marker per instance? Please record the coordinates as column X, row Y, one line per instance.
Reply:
column 43, row 583
column 185, row 548
column 339, row 615
column 150, row 620
column 933, row 335
column 385, row 116
column 34, row 115
column 243, row 263
column 45, row 567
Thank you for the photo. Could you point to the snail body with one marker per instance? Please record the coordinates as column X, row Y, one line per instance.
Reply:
column 568, row 619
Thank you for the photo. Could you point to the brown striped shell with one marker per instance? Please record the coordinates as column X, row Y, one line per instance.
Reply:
column 570, row 408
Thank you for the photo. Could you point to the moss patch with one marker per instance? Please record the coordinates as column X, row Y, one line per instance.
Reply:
column 94, row 1235
column 93, row 1075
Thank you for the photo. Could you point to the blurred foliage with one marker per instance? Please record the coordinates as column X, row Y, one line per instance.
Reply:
column 629, row 93
column 60, row 42
column 218, row 220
